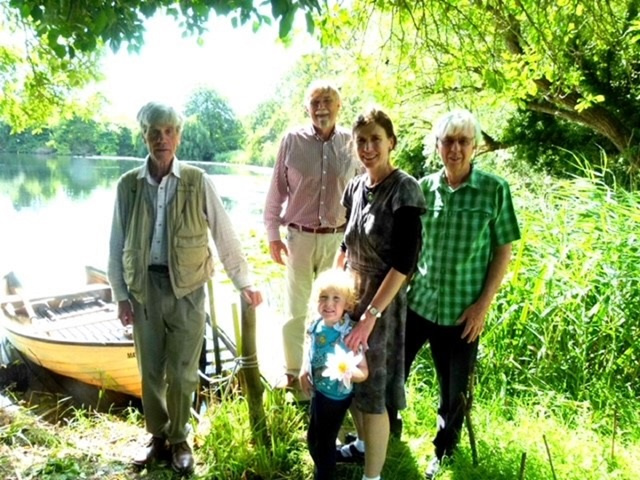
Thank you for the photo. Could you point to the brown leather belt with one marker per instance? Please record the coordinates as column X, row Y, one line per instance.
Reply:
column 302, row 228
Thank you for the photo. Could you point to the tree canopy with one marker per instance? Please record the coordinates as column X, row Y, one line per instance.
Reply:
column 570, row 65
column 72, row 26
column 56, row 44
column 211, row 127
column 577, row 60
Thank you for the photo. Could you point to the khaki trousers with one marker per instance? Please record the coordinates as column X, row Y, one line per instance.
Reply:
column 168, row 335
column 309, row 254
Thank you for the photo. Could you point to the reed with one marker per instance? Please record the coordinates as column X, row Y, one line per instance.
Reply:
column 565, row 319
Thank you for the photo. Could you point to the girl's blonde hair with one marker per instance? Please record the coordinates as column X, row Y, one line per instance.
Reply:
column 336, row 279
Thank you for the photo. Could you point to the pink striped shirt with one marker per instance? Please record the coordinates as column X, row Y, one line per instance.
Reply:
column 308, row 179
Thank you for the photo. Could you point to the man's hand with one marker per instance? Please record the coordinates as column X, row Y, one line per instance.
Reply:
column 277, row 248
column 473, row 319
column 125, row 312
column 253, row 297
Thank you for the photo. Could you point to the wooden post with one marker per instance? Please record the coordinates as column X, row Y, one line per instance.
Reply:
column 523, row 462
column 470, row 431
column 249, row 375
column 214, row 329
column 546, row 445
column 467, row 402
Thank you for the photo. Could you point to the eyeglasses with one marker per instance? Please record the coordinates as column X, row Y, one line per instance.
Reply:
column 327, row 101
column 448, row 142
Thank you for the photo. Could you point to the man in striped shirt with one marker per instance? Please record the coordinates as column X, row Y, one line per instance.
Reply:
column 313, row 166
column 467, row 230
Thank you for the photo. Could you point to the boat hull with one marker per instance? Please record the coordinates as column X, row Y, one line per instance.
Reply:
column 106, row 366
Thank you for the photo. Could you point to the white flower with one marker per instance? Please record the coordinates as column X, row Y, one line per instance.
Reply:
column 341, row 365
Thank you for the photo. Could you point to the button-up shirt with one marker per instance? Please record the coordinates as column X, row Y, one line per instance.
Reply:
column 160, row 195
column 461, row 229
column 308, row 179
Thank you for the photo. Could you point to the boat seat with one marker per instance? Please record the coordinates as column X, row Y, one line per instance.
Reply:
column 69, row 308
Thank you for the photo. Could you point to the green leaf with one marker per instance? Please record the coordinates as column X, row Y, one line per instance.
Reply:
column 311, row 26
column 59, row 50
column 280, row 7
column 101, row 22
column 35, row 12
column 286, row 23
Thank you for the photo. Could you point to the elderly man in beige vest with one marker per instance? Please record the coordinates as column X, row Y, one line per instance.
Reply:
column 159, row 261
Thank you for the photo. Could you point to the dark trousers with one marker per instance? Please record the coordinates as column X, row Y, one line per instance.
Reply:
column 324, row 424
column 454, row 360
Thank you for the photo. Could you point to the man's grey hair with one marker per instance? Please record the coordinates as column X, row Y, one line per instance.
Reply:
column 157, row 114
column 321, row 86
column 455, row 121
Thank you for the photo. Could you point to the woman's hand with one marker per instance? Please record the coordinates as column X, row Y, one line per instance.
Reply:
column 360, row 333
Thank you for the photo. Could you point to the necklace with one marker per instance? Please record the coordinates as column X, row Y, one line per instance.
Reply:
column 382, row 179
column 369, row 193
column 370, row 190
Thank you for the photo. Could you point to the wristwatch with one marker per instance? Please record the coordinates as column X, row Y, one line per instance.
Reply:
column 374, row 311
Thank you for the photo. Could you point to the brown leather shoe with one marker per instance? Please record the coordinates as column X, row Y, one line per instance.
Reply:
column 182, row 458
column 287, row 381
column 157, row 450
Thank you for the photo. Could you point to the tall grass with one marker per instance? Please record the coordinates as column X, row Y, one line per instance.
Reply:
column 238, row 456
column 566, row 318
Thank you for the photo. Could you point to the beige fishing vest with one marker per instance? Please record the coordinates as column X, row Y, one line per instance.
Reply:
column 190, row 258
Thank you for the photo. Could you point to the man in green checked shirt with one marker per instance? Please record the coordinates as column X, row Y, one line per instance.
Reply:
column 467, row 232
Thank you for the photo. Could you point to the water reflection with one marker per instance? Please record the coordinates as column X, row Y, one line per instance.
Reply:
column 30, row 180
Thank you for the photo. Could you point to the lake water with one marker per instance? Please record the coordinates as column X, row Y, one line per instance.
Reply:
column 55, row 212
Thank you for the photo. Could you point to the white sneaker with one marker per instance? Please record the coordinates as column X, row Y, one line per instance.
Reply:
column 433, row 468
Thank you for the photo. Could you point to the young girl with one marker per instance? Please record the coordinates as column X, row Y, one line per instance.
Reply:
column 330, row 368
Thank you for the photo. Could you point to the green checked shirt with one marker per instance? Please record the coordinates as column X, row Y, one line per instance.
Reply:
column 460, row 230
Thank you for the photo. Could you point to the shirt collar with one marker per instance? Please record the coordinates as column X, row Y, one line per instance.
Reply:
column 343, row 324
column 144, row 172
column 312, row 131
column 472, row 181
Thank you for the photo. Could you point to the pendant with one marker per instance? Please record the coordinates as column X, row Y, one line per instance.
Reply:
column 369, row 196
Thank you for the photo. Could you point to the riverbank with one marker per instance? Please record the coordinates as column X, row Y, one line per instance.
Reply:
column 542, row 440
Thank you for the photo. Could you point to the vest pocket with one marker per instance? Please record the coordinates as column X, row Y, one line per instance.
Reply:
column 192, row 260
column 133, row 268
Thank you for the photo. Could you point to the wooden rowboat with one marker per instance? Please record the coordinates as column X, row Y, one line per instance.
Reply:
column 76, row 334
